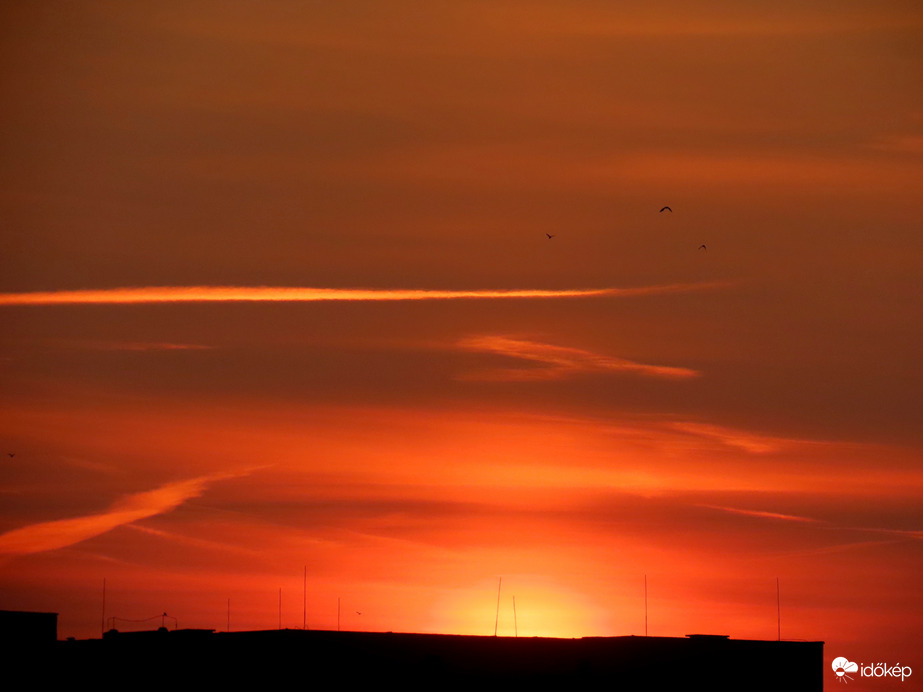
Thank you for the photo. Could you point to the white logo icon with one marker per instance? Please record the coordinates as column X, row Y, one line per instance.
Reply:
column 841, row 666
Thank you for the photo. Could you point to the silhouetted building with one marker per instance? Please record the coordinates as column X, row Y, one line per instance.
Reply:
column 23, row 628
column 714, row 663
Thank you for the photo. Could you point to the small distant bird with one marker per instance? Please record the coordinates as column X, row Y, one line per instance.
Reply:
column 549, row 236
column 702, row 247
column 666, row 209
column 358, row 613
column 11, row 455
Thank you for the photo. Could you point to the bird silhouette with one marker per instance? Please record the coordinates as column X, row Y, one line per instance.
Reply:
column 666, row 209
column 11, row 454
column 702, row 247
column 549, row 236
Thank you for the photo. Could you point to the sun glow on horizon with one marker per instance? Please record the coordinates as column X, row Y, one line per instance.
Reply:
column 529, row 606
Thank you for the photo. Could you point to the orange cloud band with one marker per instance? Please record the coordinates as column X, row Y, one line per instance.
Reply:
column 51, row 535
column 199, row 294
column 559, row 362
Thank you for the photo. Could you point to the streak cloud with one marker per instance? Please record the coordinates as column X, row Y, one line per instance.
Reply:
column 217, row 294
column 558, row 362
column 51, row 535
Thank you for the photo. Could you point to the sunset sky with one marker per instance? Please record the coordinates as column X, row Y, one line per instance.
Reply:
column 277, row 295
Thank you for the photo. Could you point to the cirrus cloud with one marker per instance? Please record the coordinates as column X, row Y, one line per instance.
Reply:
column 211, row 294
column 60, row 533
column 558, row 362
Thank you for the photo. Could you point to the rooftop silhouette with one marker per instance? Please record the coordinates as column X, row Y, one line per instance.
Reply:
column 716, row 662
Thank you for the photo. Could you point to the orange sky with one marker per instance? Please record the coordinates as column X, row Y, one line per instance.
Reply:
column 277, row 293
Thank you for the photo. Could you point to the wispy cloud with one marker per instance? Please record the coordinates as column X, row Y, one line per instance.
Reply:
column 763, row 515
column 749, row 442
column 51, row 535
column 558, row 362
column 207, row 294
column 904, row 533
column 140, row 346
column 193, row 542
column 910, row 144
column 760, row 514
column 680, row 24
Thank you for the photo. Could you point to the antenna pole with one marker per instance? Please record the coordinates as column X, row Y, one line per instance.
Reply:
column 102, row 623
column 515, row 622
column 497, row 620
column 304, row 621
column 280, row 607
column 338, row 613
column 779, row 608
column 229, row 615
column 645, row 605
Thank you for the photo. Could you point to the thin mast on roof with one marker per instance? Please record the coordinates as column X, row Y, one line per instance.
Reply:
column 515, row 622
column 497, row 620
column 779, row 608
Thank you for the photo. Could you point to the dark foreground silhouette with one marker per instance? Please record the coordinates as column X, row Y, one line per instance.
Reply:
column 296, row 657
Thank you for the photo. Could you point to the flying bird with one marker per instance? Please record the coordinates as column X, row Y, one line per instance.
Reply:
column 549, row 236
column 11, row 454
column 702, row 247
column 666, row 209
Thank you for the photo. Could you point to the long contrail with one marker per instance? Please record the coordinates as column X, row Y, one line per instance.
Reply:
column 211, row 294
column 60, row 533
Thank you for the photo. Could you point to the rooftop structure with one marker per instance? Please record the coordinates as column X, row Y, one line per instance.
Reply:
column 717, row 663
